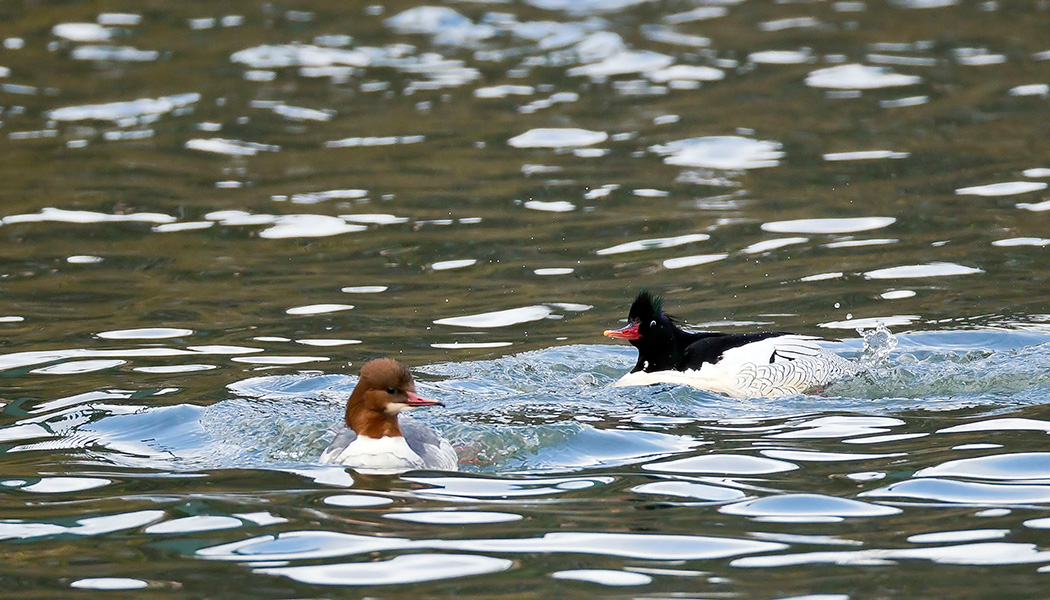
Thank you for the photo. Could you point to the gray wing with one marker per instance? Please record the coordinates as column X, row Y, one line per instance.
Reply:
column 436, row 452
column 344, row 436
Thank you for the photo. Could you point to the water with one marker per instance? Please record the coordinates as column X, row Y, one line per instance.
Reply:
column 214, row 215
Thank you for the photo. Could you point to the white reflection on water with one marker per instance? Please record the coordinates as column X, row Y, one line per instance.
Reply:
column 768, row 245
column 988, row 553
column 147, row 333
column 229, row 147
column 1009, row 188
column 557, row 138
column 865, row 155
column 780, row 57
column 934, row 269
column 109, row 583
column 858, row 77
column 61, row 215
column 839, row 225
column 721, row 152
column 193, row 524
column 82, row 32
column 604, row 577
column 1007, row 466
column 692, row 261
column 304, row 545
column 119, row 111
column 806, row 508
column 453, row 517
column 510, row 316
column 410, row 568
column 722, row 464
column 317, row 309
column 655, row 243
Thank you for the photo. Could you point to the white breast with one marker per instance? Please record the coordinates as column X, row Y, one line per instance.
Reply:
column 376, row 456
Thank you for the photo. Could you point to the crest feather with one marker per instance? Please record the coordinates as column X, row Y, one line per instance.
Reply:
column 646, row 306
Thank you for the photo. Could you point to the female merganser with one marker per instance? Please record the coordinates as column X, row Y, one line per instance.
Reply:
column 744, row 365
column 373, row 441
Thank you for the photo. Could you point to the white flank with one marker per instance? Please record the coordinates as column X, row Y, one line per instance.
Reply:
column 778, row 366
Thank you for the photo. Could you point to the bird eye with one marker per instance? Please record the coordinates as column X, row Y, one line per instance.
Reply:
column 653, row 324
column 391, row 391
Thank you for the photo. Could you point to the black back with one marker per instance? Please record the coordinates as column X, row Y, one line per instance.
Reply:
column 665, row 346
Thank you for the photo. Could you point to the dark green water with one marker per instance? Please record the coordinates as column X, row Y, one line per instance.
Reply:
column 213, row 214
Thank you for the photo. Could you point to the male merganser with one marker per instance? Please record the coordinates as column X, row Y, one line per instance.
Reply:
column 372, row 440
column 745, row 365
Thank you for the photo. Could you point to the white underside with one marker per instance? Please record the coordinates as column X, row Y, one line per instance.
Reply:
column 389, row 456
column 799, row 365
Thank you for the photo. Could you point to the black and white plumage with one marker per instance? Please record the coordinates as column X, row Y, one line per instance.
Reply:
column 744, row 365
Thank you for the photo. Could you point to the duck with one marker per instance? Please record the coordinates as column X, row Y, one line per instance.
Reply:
column 742, row 365
column 373, row 439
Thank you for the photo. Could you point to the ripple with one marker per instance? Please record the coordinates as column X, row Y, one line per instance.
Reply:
column 721, row 152
column 988, row 553
column 1010, row 188
column 194, row 524
column 82, row 32
column 62, row 485
column 142, row 108
column 411, row 568
column 551, row 271
column 624, row 63
column 60, row 215
column 688, row 489
column 356, row 500
column 480, row 487
column 364, row 289
column 448, row 265
column 557, row 138
column 691, row 261
column 149, row 333
column 512, row 316
column 969, row 535
column 229, row 147
column 861, row 243
column 934, row 269
column 807, row 508
column 858, row 77
column 866, row 155
column 75, row 367
column 553, row 206
column 725, row 464
column 83, row 259
column 471, row 345
column 770, row 245
column 1035, row 207
column 1005, row 424
column 1015, row 466
column 114, row 54
column 961, row 492
column 816, row 226
column 686, row 73
column 780, row 57
column 318, row 309
column 654, row 243
column 1022, row 241
column 454, row 517
column 309, row 545
column 604, row 577
column 109, row 583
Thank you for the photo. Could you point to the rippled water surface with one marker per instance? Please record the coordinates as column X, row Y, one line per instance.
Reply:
column 213, row 213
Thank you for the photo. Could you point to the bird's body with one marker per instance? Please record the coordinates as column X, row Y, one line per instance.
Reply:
column 373, row 439
column 744, row 365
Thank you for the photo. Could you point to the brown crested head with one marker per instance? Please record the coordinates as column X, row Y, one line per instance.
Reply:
column 384, row 389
